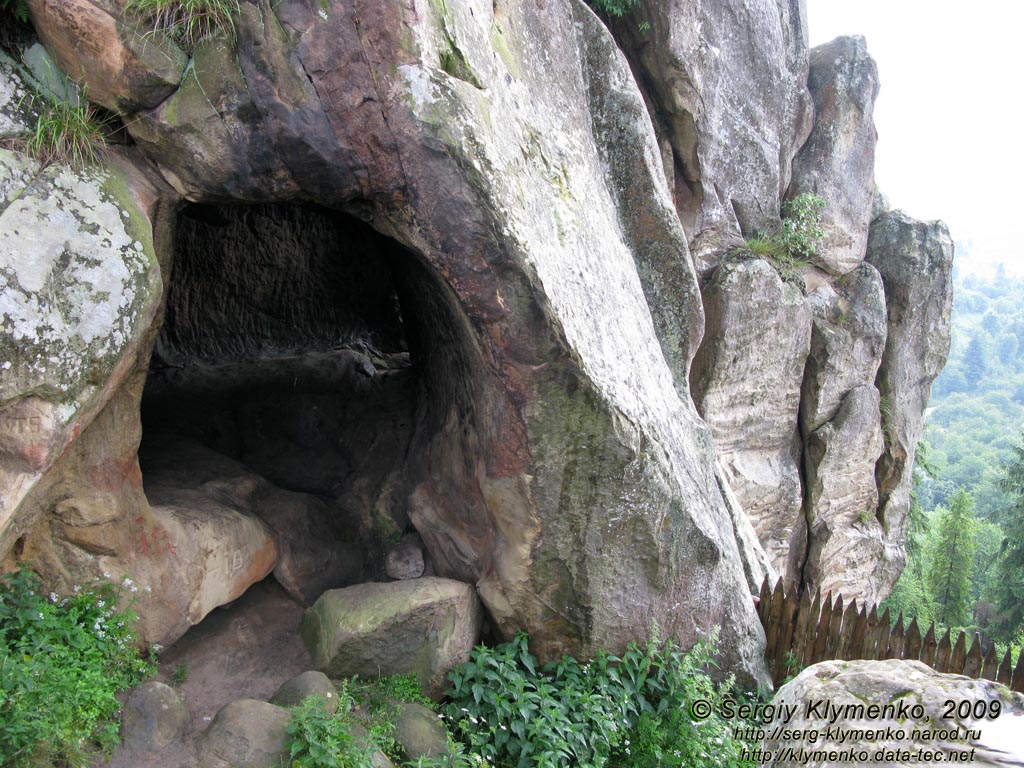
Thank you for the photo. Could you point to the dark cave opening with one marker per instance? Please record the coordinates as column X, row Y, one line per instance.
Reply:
column 283, row 386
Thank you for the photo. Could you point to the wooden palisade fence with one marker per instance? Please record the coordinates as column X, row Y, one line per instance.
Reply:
column 801, row 631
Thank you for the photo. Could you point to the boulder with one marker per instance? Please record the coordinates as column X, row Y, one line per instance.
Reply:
column 127, row 68
column 154, row 715
column 245, row 734
column 838, row 160
column 420, row 732
column 424, row 626
column 726, row 80
column 311, row 683
column 85, row 237
column 906, row 707
column 915, row 260
column 405, row 559
column 746, row 383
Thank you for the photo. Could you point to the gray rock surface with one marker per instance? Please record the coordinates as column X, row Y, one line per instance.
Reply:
column 746, row 383
column 423, row 626
column 915, row 260
column 727, row 80
column 420, row 733
column 910, row 698
column 838, row 160
column 154, row 715
column 405, row 559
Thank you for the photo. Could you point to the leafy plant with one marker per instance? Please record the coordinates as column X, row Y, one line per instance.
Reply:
column 180, row 674
column 67, row 131
column 62, row 662
column 794, row 242
column 318, row 739
column 17, row 8
column 188, row 22
column 633, row 711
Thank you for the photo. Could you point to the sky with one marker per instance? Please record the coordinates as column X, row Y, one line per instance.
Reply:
column 949, row 115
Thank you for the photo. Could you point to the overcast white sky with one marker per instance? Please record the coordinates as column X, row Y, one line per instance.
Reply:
column 950, row 113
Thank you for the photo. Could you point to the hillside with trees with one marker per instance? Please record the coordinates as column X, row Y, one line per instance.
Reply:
column 966, row 534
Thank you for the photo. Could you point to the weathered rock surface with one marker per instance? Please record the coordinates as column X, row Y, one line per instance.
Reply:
column 838, row 160
column 746, row 383
column 915, row 260
column 841, row 424
column 851, row 687
column 245, row 734
column 422, row 626
column 153, row 716
column 728, row 80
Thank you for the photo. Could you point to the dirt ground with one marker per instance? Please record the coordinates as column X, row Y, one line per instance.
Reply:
column 244, row 651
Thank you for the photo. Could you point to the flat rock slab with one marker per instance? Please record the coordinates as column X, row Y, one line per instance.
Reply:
column 422, row 626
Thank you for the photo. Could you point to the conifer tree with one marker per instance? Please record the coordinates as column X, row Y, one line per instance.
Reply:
column 952, row 561
column 1009, row 590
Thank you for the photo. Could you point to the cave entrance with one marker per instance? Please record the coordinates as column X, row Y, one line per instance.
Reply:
column 282, row 389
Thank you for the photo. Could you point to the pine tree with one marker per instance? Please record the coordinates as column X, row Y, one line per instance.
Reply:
column 975, row 361
column 952, row 561
column 1009, row 619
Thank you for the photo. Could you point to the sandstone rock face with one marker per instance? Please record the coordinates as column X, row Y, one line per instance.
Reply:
column 422, row 626
column 861, row 684
column 915, row 260
column 838, row 160
column 423, row 283
column 841, row 424
column 728, row 80
column 746, row 383
column 405, row 559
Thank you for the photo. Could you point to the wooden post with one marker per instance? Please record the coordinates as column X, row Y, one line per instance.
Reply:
column 928, row 647
column 846, row 632
column 1017, row 683
column 775, row 625
column 943, row 653
column 834, row 626
column 972, row 667
column 821, row 629
column 990, row 665
column 869, row 648
column 897, row 640
column 912, row 649
column 1005, row 673
column 785, row 642
column 956, row 661
column 808, row 624
column 884, row 633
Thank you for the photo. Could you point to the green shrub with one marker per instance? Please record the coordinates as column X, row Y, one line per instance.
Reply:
column 66, row 131
column 17, row 8
column 794, row 242
column 633, row 711
column 62, row 662
column 317, row 739
column 187, row 22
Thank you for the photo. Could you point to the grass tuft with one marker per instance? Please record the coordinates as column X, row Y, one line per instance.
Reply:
column 188, row 22
column 65, row 132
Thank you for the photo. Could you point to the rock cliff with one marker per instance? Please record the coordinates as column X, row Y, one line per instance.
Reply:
column 468, row 269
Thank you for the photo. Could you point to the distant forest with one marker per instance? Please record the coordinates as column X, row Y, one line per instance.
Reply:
column 966, row 531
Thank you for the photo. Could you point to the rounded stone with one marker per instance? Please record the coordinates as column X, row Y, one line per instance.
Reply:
column 301, row 687
column 154, row 716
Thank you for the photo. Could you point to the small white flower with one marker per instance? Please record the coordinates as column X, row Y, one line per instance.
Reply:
column 53, row 597
column 127, row 582
column 41, row 616
column 100, row 603
column 149, row 589
column 322, row 14
column 157, row 647
column 76, row 588
column 134, row 589
column 106, row 574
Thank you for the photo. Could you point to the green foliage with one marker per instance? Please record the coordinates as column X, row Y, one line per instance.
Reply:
column 952, row 561
column 62, row 662
column 1009, row 567
column 17, row 8
column 188, row 22
column 317, row 739
column 633, row 711
column 796, row 239
column 180, row 674
column 614, row 7
column 67, row 131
